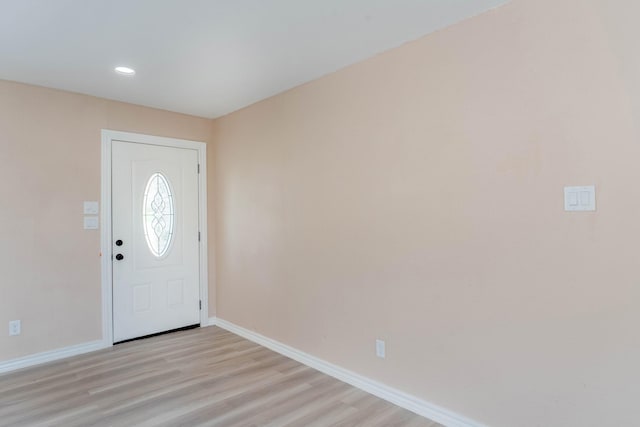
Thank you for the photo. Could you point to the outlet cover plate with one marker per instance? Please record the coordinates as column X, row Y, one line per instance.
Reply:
column 381, row 349
column 14, row 327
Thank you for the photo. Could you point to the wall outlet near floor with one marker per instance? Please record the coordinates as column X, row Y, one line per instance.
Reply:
column 380, row 349
column 15, row 327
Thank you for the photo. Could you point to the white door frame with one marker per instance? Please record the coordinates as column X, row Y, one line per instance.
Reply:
column 108, row 136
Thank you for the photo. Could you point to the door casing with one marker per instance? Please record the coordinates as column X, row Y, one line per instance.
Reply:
column 108, row 136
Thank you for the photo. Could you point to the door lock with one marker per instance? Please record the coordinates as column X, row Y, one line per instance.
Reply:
column 119, row 257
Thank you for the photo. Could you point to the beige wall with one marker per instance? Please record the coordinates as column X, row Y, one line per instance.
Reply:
column 50, row 164
column 417, row 197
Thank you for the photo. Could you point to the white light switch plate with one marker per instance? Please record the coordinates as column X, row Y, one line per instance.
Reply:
column 91, row 223
column 580, row 199
column 91, row 208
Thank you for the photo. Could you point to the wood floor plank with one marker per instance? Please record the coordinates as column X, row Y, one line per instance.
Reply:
column 199, row 377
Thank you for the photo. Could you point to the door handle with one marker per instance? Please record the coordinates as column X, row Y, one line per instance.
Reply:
column 119, row 257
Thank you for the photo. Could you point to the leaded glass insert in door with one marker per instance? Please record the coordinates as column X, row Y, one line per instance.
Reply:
column 158, row 212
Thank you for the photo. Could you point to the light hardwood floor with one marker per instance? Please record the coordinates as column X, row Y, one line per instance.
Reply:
column 201, row 377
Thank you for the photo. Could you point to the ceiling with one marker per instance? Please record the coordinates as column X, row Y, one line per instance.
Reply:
column 205, row 57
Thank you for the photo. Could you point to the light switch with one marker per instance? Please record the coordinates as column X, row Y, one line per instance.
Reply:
column 91, row 222
column 91, row 208
column 582, row 199
column 585, row 198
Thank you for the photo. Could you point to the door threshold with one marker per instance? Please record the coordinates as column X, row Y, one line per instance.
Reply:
column 184, row 328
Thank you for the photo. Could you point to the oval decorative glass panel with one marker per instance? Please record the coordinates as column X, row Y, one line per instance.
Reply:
column 158, row 214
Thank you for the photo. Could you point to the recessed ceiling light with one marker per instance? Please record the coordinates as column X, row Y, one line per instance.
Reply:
column 125, row 71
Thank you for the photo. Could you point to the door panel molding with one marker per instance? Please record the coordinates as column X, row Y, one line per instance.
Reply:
column 108, row 136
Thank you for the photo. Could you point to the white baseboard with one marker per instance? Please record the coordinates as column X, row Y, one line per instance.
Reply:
column 50, row 356
column 397, row 397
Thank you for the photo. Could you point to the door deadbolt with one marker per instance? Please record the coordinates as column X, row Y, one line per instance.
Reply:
column 118, row 242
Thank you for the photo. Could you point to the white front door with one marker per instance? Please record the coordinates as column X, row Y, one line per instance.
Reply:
column 154, row 239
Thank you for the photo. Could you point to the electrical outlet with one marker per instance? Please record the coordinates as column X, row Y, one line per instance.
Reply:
column 14, row 327
column 380, row 349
